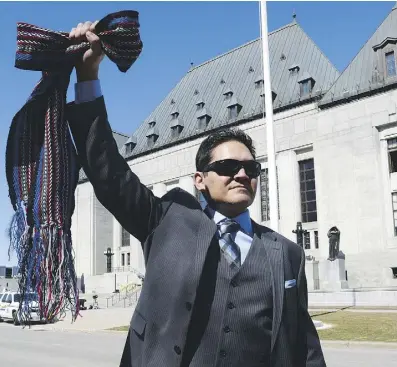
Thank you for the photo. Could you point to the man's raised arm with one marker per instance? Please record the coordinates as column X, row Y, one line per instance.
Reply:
column 115, row 185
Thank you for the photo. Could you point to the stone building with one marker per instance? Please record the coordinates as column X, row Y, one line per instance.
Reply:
column 336, row 149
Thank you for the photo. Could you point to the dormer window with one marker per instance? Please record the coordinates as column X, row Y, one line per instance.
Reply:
column 385, row 60
column 200, row 105
column 152, row 134
column 390, row 64
column 203, row 118
column 233, row 112
column 259, row 83
column 176, row 131
column 228, row 94
column 151, row 140
column 306, row 84
column 274, row 95
column 294, row 69
column 130, row 145
column 234, row 107
column 202, row 122
column 176, row 123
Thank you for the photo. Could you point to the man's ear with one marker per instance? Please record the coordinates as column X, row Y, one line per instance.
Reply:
column 199, row 181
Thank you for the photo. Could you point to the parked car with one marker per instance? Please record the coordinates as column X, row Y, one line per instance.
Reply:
column 9, row 306
column 1, row 302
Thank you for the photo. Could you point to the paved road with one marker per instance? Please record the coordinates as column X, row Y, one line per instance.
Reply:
column 40, row 347
column 360, row 356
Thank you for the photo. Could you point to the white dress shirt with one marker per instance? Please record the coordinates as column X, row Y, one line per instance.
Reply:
column 243, row 237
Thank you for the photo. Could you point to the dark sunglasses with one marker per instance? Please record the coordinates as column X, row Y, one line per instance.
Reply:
column 230, row 167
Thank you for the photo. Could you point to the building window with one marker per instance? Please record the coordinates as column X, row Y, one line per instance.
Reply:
column 202, row 122
column 390, row 64
column 306, row 87
column 316, row 239
column 306, row 240
column 125, row 238
column 128, row 259
column 308, row 191
column 176, row 131
column 392, row 152
column 233, row 112
column 394, row 200
column 122, row 259
column 151, row 140
column 265, row 206
column 228, row 95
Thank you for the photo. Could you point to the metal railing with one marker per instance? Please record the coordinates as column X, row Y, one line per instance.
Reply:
column 127, row 269
column 129, row 294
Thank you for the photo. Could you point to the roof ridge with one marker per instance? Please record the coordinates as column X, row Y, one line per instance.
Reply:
column 243, row 45
column 116, row 132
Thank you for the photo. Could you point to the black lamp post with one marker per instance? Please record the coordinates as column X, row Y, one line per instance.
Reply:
column 299, row 233
column 108, row 253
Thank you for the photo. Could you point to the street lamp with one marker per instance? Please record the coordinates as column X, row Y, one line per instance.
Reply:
column 108, row 253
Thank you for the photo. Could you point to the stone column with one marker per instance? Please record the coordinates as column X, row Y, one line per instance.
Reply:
column 289, row 193
column 186, row 183
column 137, row 261
column 116, row 243
column 387, row 191
column 159, row 189
column 255, row 208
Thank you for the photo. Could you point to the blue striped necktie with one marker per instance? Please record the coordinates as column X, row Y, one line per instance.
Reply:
column 230, row 249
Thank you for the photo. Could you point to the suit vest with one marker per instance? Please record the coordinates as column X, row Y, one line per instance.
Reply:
column 231, row 324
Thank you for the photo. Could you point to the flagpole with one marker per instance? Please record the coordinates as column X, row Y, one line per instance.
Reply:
column 271, row 153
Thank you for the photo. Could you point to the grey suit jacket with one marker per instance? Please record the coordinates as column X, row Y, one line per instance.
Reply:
column 175, row 235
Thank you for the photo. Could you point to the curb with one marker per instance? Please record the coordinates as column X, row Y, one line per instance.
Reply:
column 351, row 343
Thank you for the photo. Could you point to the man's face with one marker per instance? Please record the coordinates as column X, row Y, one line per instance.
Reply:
column 230, row 195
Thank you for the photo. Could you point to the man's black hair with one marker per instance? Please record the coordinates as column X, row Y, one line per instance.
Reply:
column 204, row 154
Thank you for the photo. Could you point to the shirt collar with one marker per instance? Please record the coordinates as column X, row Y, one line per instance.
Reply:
column 243, row 219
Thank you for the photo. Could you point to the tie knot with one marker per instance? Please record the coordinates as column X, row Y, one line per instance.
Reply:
column 228, row 226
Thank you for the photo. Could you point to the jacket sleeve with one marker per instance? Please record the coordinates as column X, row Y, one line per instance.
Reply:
column 312, row 355
column 117, row 188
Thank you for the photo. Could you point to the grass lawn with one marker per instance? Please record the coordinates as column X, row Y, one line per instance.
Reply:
column 353, row 326
column 120, row 328
column 358, row 326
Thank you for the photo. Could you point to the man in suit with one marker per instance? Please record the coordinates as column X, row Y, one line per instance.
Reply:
column 219, row 290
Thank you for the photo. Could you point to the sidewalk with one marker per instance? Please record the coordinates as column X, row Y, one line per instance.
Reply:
column 92, row 320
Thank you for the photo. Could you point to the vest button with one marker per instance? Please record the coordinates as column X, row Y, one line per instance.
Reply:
column 226, row 329
column 177, row 350
column 188, row 306
column 233, row 283
column 223, row 353
column 231, row 305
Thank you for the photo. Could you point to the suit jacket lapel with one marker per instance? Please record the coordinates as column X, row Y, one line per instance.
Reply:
column 274, row 252
column 206, row 231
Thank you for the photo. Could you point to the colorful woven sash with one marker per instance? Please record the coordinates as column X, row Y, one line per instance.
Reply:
column 41, row 162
